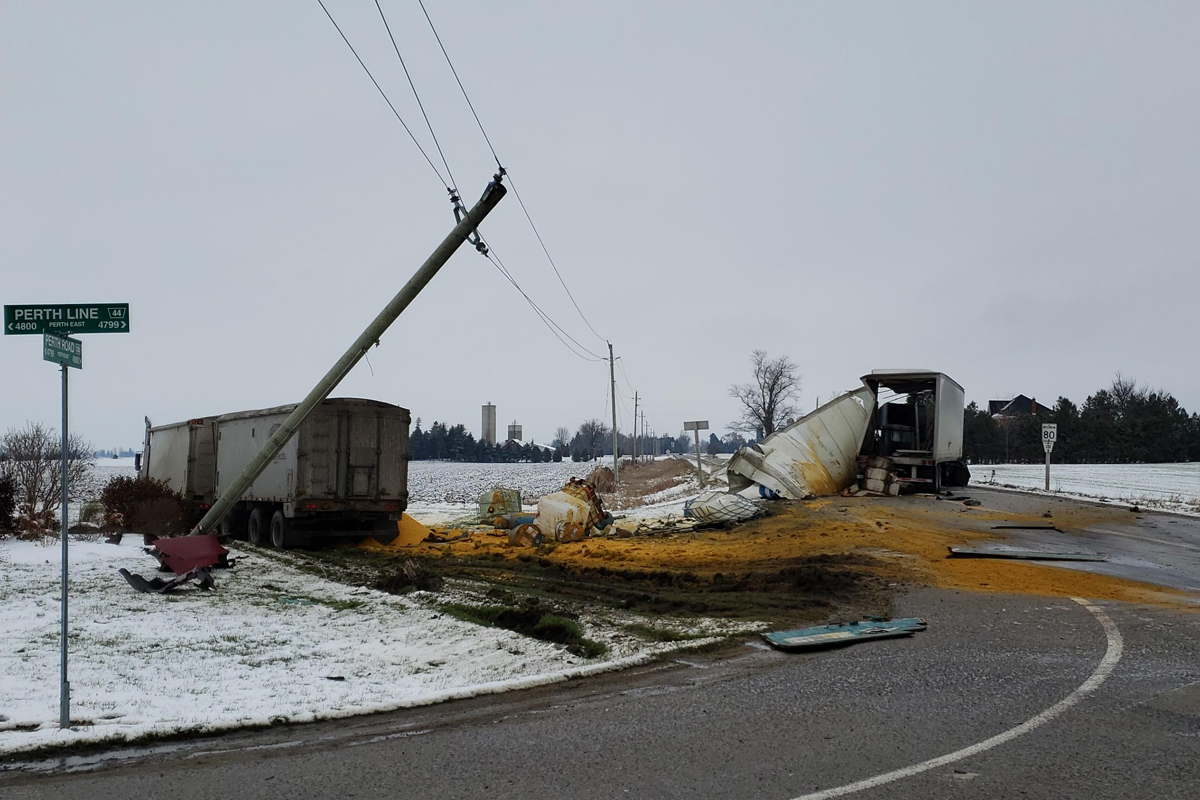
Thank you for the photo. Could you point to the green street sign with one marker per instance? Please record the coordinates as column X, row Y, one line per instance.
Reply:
column 61, row 350
column 66, row 319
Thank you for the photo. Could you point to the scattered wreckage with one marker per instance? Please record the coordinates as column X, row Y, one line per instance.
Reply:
column 190, row 558
column 1030, row 555
column 569, row 515
column 715, row 507
column 901, row 429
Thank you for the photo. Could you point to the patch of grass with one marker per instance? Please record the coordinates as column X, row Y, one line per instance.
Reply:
column 307, row 599
column 343, row 605
column 653, row 634
column 529, row 620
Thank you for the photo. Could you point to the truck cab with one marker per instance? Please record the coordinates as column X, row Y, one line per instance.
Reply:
column 916, row 428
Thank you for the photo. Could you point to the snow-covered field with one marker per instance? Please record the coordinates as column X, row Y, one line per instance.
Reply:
column 1171, row 487
column 450, row 482
column 272, row 643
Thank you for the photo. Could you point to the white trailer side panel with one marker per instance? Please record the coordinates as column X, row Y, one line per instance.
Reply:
column 239, row 440
column 948, row 421
column 168, row 456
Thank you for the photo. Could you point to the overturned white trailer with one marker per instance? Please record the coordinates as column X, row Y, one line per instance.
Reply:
column 817, row 454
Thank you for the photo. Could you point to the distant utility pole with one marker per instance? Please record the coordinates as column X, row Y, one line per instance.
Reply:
column 635, row 442
column 643, row 431
column 612, row 376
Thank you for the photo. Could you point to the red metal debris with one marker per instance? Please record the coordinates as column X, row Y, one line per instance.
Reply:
column 182, row 554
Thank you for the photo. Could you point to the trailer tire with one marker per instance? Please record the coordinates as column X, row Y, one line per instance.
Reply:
column 281, row 531
column 232, row 526
column 257, row 531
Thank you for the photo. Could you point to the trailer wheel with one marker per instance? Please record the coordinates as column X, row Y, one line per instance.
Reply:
column 281, row 533
column 232, row 526
column 256, row 528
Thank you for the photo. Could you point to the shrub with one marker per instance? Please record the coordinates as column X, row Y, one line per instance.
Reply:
column 8, row 503
column 147, row 505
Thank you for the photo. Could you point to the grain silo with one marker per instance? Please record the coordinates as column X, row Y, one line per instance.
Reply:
column 489, row 424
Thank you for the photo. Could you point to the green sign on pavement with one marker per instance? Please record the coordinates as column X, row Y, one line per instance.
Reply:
column 66, row 319
column 61, row 350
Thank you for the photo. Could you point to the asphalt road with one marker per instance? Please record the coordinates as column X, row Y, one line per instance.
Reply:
column 1048, row 699
column 1162, row 549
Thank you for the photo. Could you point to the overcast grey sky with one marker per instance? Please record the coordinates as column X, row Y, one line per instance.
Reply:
column 1006, row 192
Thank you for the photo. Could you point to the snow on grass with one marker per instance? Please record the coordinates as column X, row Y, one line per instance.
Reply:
column 1170, row 487
column 263, row 648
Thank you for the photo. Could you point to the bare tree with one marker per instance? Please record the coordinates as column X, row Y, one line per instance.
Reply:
column 1125, row 391
column 1006, row 424
column 562, row 437
column 769, row 399
column 591, row 436
column 33, row 460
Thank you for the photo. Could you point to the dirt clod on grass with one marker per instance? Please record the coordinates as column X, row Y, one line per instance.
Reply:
column 411, row 577
column 528, row 618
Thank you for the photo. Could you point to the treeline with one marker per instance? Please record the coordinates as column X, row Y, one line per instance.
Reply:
column 729, row 443
column 591, row 440
column 444, row 443
column 1123, row 424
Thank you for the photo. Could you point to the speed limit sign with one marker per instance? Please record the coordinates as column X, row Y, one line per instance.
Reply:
column 1049, row 435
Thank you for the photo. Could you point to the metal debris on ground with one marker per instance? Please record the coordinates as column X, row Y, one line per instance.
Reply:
column 570, row 515
column 1032, row 555
column 159, row 586
column 439, row 538
column 189, row 557
column 842, row 633
column 527, row 535
column 498, row 502
column 1025, row 528
column 721, row 508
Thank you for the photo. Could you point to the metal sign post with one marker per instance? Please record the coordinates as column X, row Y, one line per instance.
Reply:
column 55, row 323
column 1049, row 437
column 67, row 353
column 697, row 426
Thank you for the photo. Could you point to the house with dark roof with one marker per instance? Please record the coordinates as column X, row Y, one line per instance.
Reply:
column 1018, row 406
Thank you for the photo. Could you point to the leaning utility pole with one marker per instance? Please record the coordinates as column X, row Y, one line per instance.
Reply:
column 464, row 230
column 612, row 376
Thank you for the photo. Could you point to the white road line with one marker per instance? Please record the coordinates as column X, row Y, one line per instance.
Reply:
column 1112, row 655
column 1164, row 542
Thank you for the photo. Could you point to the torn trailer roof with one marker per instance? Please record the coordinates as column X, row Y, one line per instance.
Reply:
column 815, row 455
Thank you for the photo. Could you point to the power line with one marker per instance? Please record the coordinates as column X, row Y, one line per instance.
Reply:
column 625, row 377
column 511, row 183
column 384, row 95
column 542, row 315
column 550, row 259
column 560, row 328
column 461, row 88
column 420, row 105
